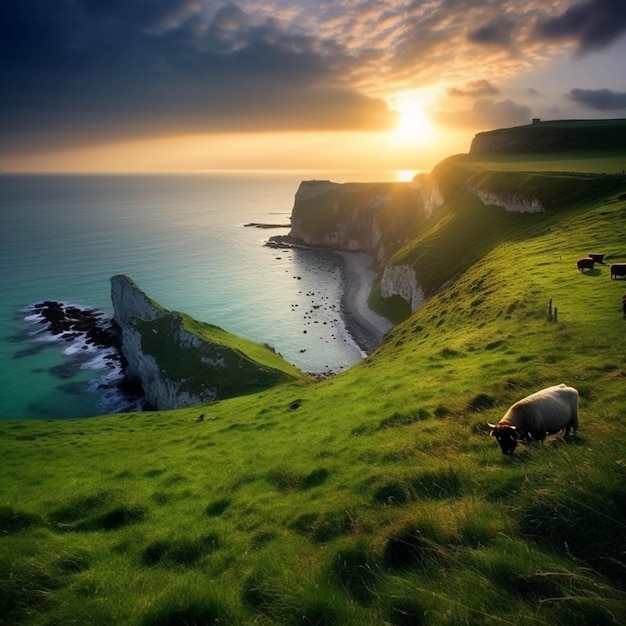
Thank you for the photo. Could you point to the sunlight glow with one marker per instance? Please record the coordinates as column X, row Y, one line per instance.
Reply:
column 406, row 176
column 414, row 125
column 313, row 150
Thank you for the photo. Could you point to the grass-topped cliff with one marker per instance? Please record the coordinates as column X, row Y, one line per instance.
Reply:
column 179, row 361
column 463, row 229
column 377, row 496
column 554, row 136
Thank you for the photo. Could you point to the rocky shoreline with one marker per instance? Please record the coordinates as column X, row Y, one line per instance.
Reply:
column 93, row 337
column 93, row 340
column 366, row 326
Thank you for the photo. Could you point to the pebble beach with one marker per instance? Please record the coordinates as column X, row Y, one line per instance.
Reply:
column 366, row 326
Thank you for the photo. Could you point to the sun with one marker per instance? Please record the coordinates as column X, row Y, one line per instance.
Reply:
column 413, row 125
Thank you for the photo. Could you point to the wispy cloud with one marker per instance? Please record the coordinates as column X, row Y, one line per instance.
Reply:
column 496, row 32
column 474, row 89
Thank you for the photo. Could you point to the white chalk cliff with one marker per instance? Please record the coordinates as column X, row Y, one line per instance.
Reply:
column 400, row 280
column 180, row 361
column 376, row 218
column 508, row 201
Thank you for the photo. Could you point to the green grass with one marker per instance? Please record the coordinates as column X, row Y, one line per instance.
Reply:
column 374, row 497
column 211, row 358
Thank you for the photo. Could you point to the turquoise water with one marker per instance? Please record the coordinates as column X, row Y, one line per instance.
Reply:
column 181, row 238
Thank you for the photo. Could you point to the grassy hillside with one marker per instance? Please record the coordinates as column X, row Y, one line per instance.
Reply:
column 463, row 230
column 374, row 497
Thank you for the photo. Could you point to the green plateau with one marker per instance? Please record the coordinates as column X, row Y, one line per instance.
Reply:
column 375, row 496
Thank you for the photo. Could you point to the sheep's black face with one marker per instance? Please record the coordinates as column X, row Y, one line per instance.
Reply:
column 506, row 436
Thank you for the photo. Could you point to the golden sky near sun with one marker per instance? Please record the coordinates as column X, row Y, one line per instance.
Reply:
column 415, row 143
column 200, row 84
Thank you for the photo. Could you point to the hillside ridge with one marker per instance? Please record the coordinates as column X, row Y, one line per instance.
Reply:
column 553, row 136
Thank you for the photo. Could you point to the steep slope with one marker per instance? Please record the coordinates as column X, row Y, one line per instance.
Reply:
column 484, row 206
column 181, row 362
column 376, row 218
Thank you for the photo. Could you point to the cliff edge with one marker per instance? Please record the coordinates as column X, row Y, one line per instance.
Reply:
column 377, row 218
column 181, row 362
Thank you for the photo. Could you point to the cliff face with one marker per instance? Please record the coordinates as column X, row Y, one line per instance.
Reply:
column 376, row 218
column 508, row 201
column 129, row 301
column 400, row 280
column 182, row 362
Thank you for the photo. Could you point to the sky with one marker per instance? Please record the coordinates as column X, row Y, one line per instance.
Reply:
column 122, row 85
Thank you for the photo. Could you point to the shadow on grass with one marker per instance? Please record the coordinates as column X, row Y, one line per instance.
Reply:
column 179, row 551
column 104, row 510
column 178, row 609
column 321, row 528
column 13, row 521
column 290, row 480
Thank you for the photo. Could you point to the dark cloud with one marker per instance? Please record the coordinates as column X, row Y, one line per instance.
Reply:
column 129, row 67
column 474, row 89
column 594, row 24
column 497, row 32
column 599, row 99
column 487, row 114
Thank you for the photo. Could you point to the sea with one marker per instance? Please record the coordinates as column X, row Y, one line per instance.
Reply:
column 186, row 240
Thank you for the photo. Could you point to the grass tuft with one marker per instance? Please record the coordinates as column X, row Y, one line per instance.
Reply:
column 481, row 402
column 289, row 480
column 13, row 521
column 403, row 419
column 406, row 549
column 217, row 507
column 179, row 550
column 185, row 608
column 356, row 571
column 444, row 483
column 323, row 528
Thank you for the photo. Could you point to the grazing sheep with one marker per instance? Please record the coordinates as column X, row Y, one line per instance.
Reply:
column 618, row 269
column 544, row 412
column 584, row 264
column 597, row 257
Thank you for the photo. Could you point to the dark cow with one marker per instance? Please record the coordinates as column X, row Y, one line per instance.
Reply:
column 544, row 412
column 597, row 257
column 585, row 263
column 618, row 269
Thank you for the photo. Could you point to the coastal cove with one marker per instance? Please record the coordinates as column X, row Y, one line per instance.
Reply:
column 182, row 238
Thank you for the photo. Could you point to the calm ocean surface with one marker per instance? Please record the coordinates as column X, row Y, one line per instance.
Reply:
column 181, row 238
